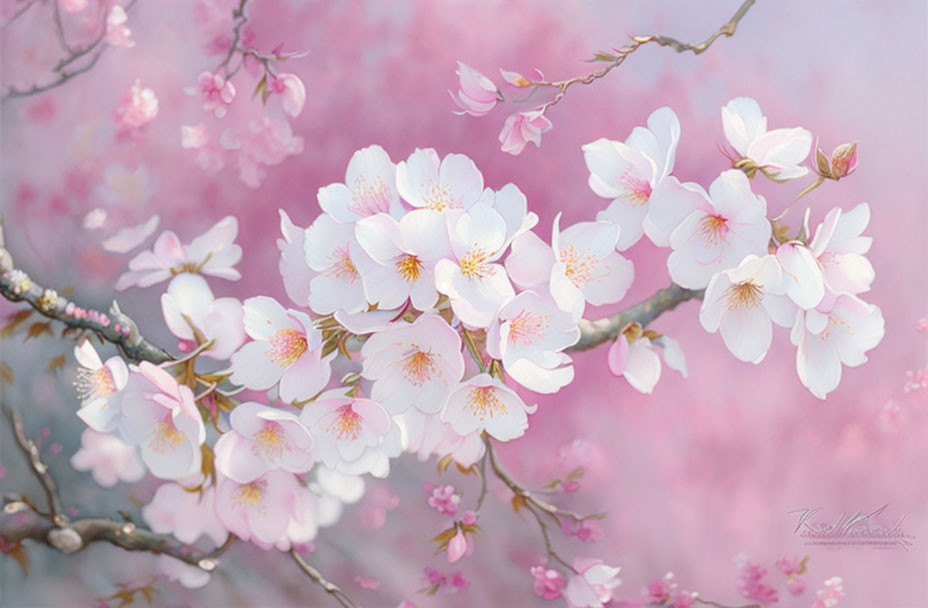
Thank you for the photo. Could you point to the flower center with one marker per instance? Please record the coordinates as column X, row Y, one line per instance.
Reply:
column 167, row 437
column 287, row 345
column 342, row 267
column 94, row 384
column 250, row 494
column 347, row 424
column 410, row 268
column 579, row 269
column 270, row 441
column 639, row 190
column 474, row 265
column 438, row 196
column 744, row 295
column 714, row 229
column 482, row 402
column 527, row 327
column 419, row 367
column 370, row 199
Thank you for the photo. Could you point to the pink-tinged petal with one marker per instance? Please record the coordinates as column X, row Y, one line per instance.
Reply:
column 292, row 266
column 457, row 546
column 530, row 260
column 743, row 122
column 253, row 368
column 129, row 238
column 670, row 202
column 263, row 316
column 643, row 366
column 658, row 141
column 293, row 97
column 615, row 275
column 379, row 236
column 673, row 355
column 305, row 378
column 224, row 323
column 414, row 175
column 617, row 356
column 805, row 284
column 188, row 295
column 168, row 250
column 781, row 151
column 747, row 333
column 236, row 459
column 463, row 178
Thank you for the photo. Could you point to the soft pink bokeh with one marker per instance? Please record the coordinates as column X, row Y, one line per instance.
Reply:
column 702, row 470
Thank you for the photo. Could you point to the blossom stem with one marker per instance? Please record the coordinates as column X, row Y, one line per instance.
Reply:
column 472, row 349
column 813, row 186
column 340, row 596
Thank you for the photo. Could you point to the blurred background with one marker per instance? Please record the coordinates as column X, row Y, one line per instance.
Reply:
column 701, row 471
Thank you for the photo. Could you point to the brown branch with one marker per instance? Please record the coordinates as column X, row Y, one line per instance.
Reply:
column 16, row 286
column 66, row 75
column 238, row 14
column 340, row 596
column 727, row 29
column 38, row 468
column 594, row 333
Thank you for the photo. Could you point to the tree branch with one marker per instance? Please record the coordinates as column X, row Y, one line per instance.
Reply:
column 594, row 333
column 38, row 468
column 16, row 286
column 340, row 596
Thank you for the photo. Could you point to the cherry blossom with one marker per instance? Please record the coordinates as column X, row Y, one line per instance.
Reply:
column 803, row 273
column 286, row 350
column 838, row 332
column 97, row 384
column 73, row 6
column 260, row 510
column 839, row 247
column 512, row 206
column 136, row 109
column 117, row 33
column 213, row 253
column 634, row 356
column 332, row 251
column 209, row 153
column 193, row 314
column 292, row 93
column 344, row 427
column 483, row 403
column 445, row 500
column 427, row 435
column 548, row 583
column 108, row 458
column 217, row 93
column 294, row 271
column 842, row 163
column 370, row 188
column 127, row 239
column 831, row 594
column 161, row 417
column 592, row 586
column 191, row 577
column 741, row 302
column 629, row 172
column 425, row 181
column 264, row 142
column 521, row 128
column 528, row 335
column 475, row 284
column 262, row 439
column 727, row 225
column 187, row 515
column 750, row 584
column 477, row 94
column 777, row 153
column 413, row 365
column 404, row 253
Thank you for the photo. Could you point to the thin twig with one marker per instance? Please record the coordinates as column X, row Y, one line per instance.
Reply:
column 241, row 19
column 38, row 468
column 340, row 596
column 19, row 13
column 727, row 29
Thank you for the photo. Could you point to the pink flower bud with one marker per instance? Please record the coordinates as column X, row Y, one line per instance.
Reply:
column 843, row 161
column 293, row 93
column 457, row 546
column 477, row 94
column 521, row 128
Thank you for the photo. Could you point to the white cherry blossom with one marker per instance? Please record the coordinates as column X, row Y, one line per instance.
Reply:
column 369, row 188
column 333, row 252
column 425, row 181
column 778, row 152
column 483, row 403
column 839, row 247
column 97, row 384
column 192, row 314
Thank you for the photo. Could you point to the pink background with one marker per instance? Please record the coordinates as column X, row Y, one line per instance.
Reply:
column 700, row 471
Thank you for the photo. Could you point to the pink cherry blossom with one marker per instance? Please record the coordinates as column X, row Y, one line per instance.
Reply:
column 333, row 252
column 264, row 142
column 292, row 93
column 445, row 500
column 528, row 335
column 72, row 6
column 369, row 188
column 483, row 403
column 129, row 238
column 262, row 439
column 778, row 152
column 209, row 152
column 217, row 93
column 803, row 273
column 186, row 515
column 136, row 109
column 108, row 458
column 750, row 584
column 548, row 583
column 831, row 594
column 719, row 231
column 192, row 313
column 95, row 219
column 294, row 271
column 286, row 350
column 260, row 510
column 426, row 181
column 521, row 128
column 477, row 94
column 428, row 435
column 97, row 386
column 629, row 172
column 160, row 416
column 839, row 247
column 592, row 586
column 345, row 428
column 413, row 365
column 741, row 302
column 213, row 253
column 191, row 577
column 117, row 33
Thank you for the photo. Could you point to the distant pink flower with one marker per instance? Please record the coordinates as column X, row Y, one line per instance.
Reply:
column 186, row 515
column 95, row 219
column 108, row 458
column 549, row 584
column 477, row 94
column 445, row 500
column 916, row 380
column 127, row 239
column 72, row 6
column 209, row 152
column 922, row 325
column 366, row 582
column 796, row 586
column 750, row 584
column 522, row 128
column 292, row 93
column 217, row 92
column 665, row 592
column 265, row 142
column 378, row 502
column 117, row 34
column 585, row 530
column 831, row 594
column 138, row 108
column 592, row 586
column 452, row 583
